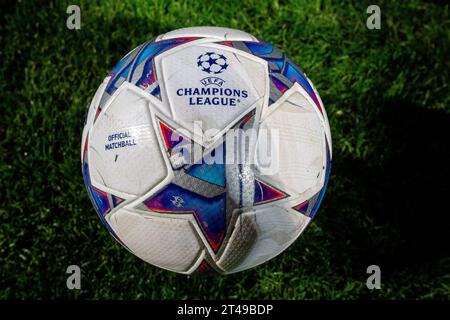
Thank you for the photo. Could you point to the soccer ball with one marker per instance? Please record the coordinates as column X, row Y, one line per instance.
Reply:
column 206, row 149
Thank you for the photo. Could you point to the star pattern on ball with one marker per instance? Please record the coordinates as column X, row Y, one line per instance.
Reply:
column 212, row 63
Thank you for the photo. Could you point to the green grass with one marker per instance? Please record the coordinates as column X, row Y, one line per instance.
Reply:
column 387, row 97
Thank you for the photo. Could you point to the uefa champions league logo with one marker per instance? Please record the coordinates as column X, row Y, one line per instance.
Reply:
column 212, row 63
column 213, row 92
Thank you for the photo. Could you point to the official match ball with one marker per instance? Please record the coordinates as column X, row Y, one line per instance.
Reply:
column 206, row 149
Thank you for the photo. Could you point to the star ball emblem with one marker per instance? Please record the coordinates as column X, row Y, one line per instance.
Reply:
column 212, row 63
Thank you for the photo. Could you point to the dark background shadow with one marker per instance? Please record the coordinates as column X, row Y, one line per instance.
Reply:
column 403, row 191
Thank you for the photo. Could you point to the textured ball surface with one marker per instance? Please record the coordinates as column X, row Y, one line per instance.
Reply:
column 206, row 149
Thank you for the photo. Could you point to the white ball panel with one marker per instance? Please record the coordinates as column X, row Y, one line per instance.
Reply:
column 299, row 150
column 277, row 228
column 216, row 33
column 133, row 168
column 167, row 242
